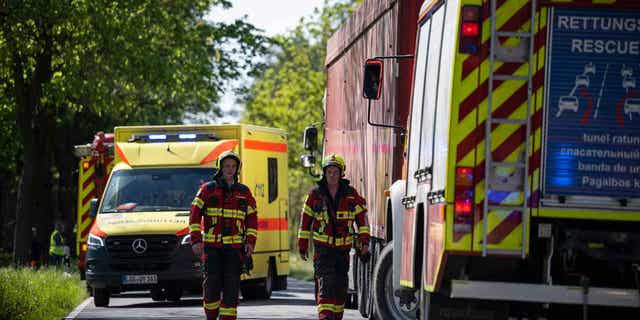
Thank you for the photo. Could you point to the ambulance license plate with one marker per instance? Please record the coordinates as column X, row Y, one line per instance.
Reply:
column 140, row 279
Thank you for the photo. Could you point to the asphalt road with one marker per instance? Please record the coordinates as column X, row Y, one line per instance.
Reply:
column 295, row 303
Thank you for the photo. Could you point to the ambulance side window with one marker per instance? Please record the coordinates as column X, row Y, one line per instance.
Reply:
column 272, row 165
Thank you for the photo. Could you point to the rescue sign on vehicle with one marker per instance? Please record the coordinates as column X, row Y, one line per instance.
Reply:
column 592, row 145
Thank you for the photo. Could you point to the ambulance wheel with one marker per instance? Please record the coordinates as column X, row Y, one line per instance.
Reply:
column 281, row 283
column 265, row 289
column 262, row 290
column 387, row 305
column 101, row 297
column 157, row 294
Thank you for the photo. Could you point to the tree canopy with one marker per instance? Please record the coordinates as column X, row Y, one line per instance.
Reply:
column 288, row 89
column 69, row 68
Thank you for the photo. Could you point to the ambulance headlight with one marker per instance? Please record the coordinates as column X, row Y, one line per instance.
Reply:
column 186, row 240
column 95, row 241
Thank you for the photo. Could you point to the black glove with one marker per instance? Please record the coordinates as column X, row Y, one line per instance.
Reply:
column 304, row 254
column 247, row 264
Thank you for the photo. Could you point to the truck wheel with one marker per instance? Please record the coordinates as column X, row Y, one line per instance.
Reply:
column 352, row 301
column 363, row 272
column 387, row 305
column 101, row 297
column 263, row 290
column 157, row 294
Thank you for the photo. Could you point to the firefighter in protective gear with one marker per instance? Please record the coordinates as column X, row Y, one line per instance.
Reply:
column 56, row 245
column 328, row 217
column 228, row 214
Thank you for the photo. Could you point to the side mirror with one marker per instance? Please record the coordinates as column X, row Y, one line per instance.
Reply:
column 93, row 208
column 310, row 138
column 308, row 160
column 372, row 87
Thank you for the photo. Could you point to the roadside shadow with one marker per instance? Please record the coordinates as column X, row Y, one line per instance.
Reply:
column 278, row 302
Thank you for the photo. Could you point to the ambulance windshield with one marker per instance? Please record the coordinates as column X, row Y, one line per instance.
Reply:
column 161, row 189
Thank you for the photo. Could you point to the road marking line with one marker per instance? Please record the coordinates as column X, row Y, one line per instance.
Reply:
column 74, row 313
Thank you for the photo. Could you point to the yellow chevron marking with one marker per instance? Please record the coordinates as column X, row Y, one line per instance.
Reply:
column 502, row 132
column 85, row 208
column 83, row 227
column 500, row 95
column 503, row 92
column 504, row 13
column 87, row 174
column 498, row 136
column 465, row 128
column 512, row 241
column 86, row 191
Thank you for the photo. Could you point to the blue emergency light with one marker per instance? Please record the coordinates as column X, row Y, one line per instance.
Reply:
column 157, row 137
column 173, row 137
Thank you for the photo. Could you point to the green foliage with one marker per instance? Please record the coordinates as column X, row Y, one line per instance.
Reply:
column 132, row 62
column 5, row 258
column 71, row 68
column 10, row 145
column 288, row 90
column 40, row 294
column 300, row 269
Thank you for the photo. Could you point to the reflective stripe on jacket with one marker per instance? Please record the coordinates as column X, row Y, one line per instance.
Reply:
column 226, row 215
column 56, row 244
column 333, row 229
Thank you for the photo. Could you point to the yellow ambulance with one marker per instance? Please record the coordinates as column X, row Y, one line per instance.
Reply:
column 140, row 237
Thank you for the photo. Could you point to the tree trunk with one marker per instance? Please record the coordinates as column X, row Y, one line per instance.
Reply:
column 28, row 97
column 45, row 212
column 65, row 163
column 34, row 204
column 24, row 204
column 7, row 208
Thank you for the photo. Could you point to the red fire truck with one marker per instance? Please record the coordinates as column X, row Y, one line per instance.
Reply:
column 374, row 155
column 94, row 165
column 516, row 190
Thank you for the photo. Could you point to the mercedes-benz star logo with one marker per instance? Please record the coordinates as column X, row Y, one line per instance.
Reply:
column 139, row 246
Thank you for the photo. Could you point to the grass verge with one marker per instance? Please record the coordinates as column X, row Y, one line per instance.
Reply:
column 300, row 269
column 46, row 293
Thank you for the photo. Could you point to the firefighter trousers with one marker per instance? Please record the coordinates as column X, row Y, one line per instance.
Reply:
column 222, row 268
column 331, row 267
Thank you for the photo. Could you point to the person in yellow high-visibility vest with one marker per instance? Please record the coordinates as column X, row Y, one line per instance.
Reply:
column 56, row 245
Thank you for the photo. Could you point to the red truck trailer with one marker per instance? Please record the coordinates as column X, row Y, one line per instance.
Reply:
column 516, row 190
column 374, row 155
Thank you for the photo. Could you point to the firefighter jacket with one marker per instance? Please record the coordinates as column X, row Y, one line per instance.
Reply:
column 226, row 213
column 329, row 222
